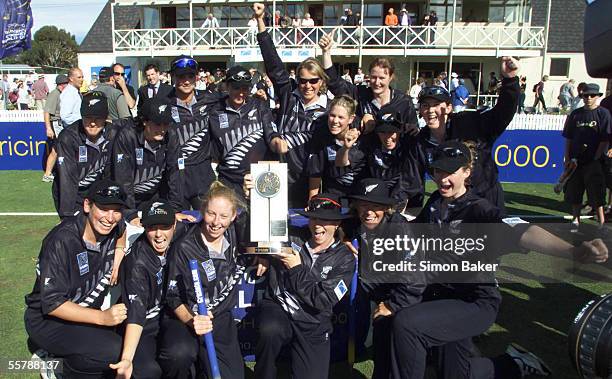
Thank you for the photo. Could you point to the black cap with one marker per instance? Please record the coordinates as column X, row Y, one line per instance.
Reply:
column 450, row 156
column 105, row 73
column 373, row 191
column 61, row 79
column 157, row 213
column 157, row 110
column 94, row 104
column 106, row 192
column 238, row 74
column 592, row 89
column 435, row 92
column 387, row 123
column 324, row 206
column 184, row 64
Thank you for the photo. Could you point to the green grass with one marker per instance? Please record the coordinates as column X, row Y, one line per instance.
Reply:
column 533, row 314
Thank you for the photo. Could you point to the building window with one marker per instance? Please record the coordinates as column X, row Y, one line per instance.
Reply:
column 373, row 15
column 559, row 67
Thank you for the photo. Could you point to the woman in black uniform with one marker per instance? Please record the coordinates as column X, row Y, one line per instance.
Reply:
column 387, row 155
column 140, row 160
column 241, row 129
column 213, row 242
column 481, row 127
column 298, row 108
column 303, row 287
column 142, row 282
column 335, row 160
column 452, row 313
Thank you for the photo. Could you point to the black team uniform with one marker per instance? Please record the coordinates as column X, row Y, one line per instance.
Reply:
column 294, row 120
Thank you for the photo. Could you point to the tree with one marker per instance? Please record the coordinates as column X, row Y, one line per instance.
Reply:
column 51, row 47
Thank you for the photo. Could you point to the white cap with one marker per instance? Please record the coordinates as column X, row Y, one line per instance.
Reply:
column 454, row 75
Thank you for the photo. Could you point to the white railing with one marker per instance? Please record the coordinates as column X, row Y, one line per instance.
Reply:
column 369, row 37
column 537, row 122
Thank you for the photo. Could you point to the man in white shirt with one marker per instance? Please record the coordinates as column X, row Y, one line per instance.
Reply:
column 210, row 22
column 70, row 99
column 359, row 77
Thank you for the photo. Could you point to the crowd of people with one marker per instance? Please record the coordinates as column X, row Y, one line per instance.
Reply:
column 346, row 145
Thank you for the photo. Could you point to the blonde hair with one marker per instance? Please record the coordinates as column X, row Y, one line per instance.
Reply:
column 313, row 65
column 346, row 102
column 218, row 189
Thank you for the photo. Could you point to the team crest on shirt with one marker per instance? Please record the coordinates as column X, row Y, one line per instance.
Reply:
column 325, row 271
column 251, row 114
column 172, row 285
column 60, row 160
column 203, row 110
column 341, row 289
column 175, row 114
column 119, row 158
column 83, row 263
column 132, row 297
column 454, row 226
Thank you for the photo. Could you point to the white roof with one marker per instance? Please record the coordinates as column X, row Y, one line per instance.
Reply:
column 16, row 68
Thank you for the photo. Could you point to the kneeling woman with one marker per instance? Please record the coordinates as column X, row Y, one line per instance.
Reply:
column 213, row 242
column 303, row 287
column 452, row 313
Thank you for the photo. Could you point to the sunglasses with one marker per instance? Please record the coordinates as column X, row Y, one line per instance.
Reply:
column 311, row 81
column 119, row 73
column 433, row 91
column 241, row 77
column 449, row 152
column 112, row 191
column 185, row 63
column 322, row 203
column 589, row 95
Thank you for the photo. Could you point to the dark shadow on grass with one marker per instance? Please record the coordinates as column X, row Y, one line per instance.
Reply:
column 554, row 205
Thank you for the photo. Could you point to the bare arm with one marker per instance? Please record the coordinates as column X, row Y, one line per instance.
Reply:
column 313, row 187
column 70, row 311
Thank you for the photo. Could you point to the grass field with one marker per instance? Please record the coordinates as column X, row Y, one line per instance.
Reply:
column 534, row 314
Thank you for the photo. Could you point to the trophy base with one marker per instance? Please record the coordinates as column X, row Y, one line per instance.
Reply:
column 267, row 248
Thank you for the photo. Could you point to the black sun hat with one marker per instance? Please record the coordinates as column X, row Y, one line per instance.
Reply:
column 157, row 110
column 324, row 206
column 450, row 156
column 373, row 191
column 157, row 213
column 106, row 192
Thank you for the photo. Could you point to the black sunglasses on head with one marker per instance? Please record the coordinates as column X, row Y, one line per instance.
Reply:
column 322, row 203
column 112, row 191
column 433, row 91
column 311, row 81
column 119, row 73
column 241, row 77
column 449, row 152
column 589, row 95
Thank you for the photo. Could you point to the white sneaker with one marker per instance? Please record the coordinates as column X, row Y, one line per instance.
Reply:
column 528, row 363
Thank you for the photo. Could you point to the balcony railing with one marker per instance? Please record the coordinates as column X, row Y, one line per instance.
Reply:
column 369, row 37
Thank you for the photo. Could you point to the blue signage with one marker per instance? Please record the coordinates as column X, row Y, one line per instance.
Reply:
column 22, row 145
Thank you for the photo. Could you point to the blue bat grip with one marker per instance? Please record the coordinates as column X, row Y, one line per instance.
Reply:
column 208, row 337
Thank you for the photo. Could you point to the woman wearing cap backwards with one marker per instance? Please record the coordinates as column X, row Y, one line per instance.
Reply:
column 143, row 280
column 379, row 97
column 74, row 272
column 83, row 152
column 298, row 108
column 482, row 127
column 453, row 312
column 214, row 244
column 140, row 159
column 241, row 129
column 378, row 220
column 303, row 287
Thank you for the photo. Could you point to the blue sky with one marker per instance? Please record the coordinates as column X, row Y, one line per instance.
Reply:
column 74, row 16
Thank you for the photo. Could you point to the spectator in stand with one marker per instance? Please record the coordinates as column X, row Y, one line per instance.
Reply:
column 93, row 85
column 252, row 24
column 566, row 93
column 433, row 18
column 577, row 101
column 540, row 92
column 391, row 18
column 277, row 18
column 351, row 20
column 117, row 104
column 587, row 133
column 40, row 91
column 53, row 124
column 23, row 97
column 454, row 82
column 405, row 18
column 347, row 75
column 70, row 99
column 359, row 77
column 460, row 97
column 444, row 79
column 523, row 87
column 211, row 22
column 296, row 22
column 202, row 80
column 307, row 24
column 492, row 86
column 415, row 90
column 343, row 18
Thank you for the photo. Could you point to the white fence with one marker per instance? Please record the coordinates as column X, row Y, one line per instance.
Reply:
column 21, row 116
column 367, row 37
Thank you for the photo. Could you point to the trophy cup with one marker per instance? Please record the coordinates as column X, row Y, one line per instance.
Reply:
column 269, row 209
